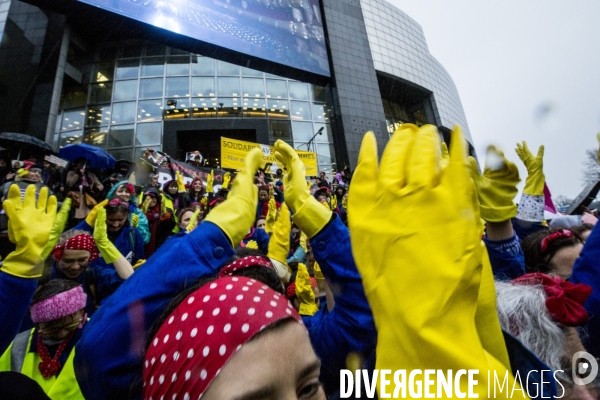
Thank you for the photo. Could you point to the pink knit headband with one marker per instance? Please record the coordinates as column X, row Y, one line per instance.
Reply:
column 59, row 305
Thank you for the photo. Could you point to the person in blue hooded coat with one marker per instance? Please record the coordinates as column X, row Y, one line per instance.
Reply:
column 125, row 191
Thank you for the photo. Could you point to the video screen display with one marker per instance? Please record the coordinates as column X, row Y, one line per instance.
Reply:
column 288, row 32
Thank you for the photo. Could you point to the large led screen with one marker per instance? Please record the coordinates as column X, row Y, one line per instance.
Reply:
column 288, row 32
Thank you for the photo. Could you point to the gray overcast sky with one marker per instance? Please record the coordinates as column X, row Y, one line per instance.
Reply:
column 510, row 59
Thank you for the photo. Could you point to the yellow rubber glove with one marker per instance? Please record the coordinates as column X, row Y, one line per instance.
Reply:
column 139, row 263
column 333, row 202
column 192, row 224
column 226, row 179
column 318, row 272
column 304, row 292
column 180, row 184
column 303, row 241
column 91, row 217
column 271, row 216
column 534, row 184
column 252, row 245
column 209, row 181
column 22, row 172
column 107, row 249
column 497, row 187
column 236, row 215
column 146, row 204
column 29, row 226
column 345, row 202
column 445, row 160
column 326, row 205
column 57, row 228
column 422, row 283
column 310, row 216
column 204, row 202
column 279, row 244
column 135, row 220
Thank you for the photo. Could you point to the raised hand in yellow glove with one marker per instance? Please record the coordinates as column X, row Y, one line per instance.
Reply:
column 29, row 226
column 236, row 215
column 91, row 217
column 304, row 292
column 146, row 204
column 445, row 160
column 107, row 249
column 192, row 224
column 204, row 201
column 303, row 241
column 279, row 244
column 345, row 201
column 310, row 216
column 252, row 245
column 226, row 180
column 22, row 172
column 135, row 220
column 57, row 228
column 179, row 180
column 416, row 242
column 333, row 202
column 496, row 187
column 210, row 179
column 271, row 215
column 534, row 184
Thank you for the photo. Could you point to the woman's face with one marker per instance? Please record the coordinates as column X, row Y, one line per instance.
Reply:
column 152, row 202
column 172, row 188
column 198, row 186
column 563, row 260
column 284, row 366
column 116, row 221
column 60, row 329
column 185, row 220
column 263, row 196
column 261, row 223
column 123, row 193
column 74, row 262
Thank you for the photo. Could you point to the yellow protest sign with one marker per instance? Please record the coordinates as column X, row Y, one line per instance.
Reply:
column 233, row 153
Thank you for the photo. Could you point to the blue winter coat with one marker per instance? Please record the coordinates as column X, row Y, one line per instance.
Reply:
column 15, row 297
column 143, row 225
column 130, row 245
column 506, row 257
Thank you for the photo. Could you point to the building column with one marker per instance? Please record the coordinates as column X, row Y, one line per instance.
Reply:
column 58, row 84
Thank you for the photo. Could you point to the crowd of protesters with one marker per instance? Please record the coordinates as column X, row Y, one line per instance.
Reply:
column 271, row 285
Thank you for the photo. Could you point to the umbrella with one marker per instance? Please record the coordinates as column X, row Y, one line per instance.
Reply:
column 11, row 139
column 96, row 157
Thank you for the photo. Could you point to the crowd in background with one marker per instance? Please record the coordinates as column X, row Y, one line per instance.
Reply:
column 114, row 285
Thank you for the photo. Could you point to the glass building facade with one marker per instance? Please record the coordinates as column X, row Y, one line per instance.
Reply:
column 128, row 92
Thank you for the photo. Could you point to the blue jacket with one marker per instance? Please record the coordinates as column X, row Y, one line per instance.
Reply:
column 349, row 327
column 506, row 257
column 260, row 236
column 130, row 245
column 587, row 270
column 143, row 225
column 15, row 297
column 109, row 356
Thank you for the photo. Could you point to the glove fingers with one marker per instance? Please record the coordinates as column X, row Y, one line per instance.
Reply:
column 473, row 169
column 244, row 180
column 457, row 172
column 29, row 202
column 52, row 206
column 364, row 179
column 392, row 172
column 42, row 199
column 540, row 153
column 423, row 165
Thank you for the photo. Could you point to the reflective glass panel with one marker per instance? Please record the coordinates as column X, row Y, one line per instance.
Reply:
column 320, row 112
column 177, row 108
column 73, row 137
column 254, row 107
column 203, row 86
column 121, row 154
column 229, row 107
column 98, row 115
column 148, row 134
column 228, row 86
column 253, row 87
column 178, row 66
column 204, row 107
column 123, row 112
column 203, row 66
column 178, row 87
column 127, row 69
column 96, row 136
column 120, row 136
column 325, row 153
column 299, row 90
column 319, row 93
column 225, row 68
column 153, row 66
column 278, row 108
column 103, row 72
column 300, row 110
column 326, row 136
column 150, row 110
column 72, row 119
column 303, row 131
column 100, row 92
column 280, row 130
column 125, row 90
column 276, row 89
column 151, row 88
column 251, row 72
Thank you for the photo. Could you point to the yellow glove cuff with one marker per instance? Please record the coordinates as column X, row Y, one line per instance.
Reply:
column 312, row 217
column 497, row 213
column 308, row 309
column 19, row 262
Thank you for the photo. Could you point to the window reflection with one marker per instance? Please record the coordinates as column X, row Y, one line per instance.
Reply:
column 123, row 112
column 100, row 92
column 229, row 107
column 204, row 107
column 300, row 110
column 276, row 89
column 253, row 87
column 178, row 87
column 73, row 137
column 203, row 65
column 320, row 112
column 176, row 108
column 120, row 136
column 98, row 115
column 96, row 136
column 73, row 119
column 299, row 90
column 203, row 86
column 280, row 130
column 148, row 134
column 225, row 68
column 303, row 131
column 178, row 66
column 254, row 107
column 228, row 86
column 150, row 110
column 125, row 90
column 127, row 69
column 278, row 108
column 151, row 88
column 153, row 66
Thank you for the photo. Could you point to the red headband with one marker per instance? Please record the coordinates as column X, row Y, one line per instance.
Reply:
column 564, row 300
column 245, row 262
column 205, row 331
column 78, row 242
column 563, row 233
column 291, row 289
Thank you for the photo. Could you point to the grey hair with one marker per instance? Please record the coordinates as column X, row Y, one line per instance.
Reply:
column 522, row 312
column 65, row 236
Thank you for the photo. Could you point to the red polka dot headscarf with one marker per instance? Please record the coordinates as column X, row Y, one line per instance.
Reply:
column 82, row 241
column 205, row 331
